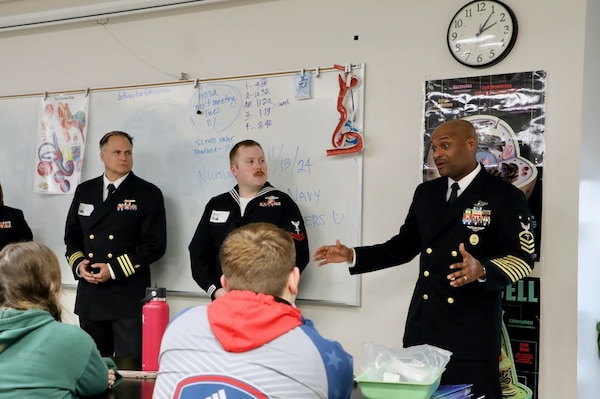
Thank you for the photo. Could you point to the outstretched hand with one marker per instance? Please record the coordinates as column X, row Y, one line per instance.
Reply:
column 467, row 271
column 333, row 254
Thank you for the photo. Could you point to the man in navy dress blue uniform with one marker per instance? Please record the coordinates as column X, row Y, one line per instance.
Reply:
column 116, row 227
column 470, row 250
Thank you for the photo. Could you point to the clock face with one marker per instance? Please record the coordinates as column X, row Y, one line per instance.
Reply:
column 482, row 33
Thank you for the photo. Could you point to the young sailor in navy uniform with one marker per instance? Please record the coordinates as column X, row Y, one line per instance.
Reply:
column 253, row 199
column 471, row 248
column 116, row 227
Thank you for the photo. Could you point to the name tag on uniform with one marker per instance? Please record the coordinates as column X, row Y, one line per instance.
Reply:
column 219, row 216
column 85, row 209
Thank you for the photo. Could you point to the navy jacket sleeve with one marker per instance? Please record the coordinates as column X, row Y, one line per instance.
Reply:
column 513, row 259
column 293, row 222
column 22, row 231
column 152, row 239
column 204, row 256
column 13, row 227
column 74, row 236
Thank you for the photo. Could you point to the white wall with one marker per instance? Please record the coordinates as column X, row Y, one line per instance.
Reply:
column 588, row 294
column 402, row 44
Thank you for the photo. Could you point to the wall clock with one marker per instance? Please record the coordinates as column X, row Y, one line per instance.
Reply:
column 482, row 33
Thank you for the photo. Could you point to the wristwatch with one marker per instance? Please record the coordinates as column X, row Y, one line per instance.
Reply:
column 484, row 278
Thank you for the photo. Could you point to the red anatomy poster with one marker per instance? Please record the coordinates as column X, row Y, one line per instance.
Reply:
column 62, row 129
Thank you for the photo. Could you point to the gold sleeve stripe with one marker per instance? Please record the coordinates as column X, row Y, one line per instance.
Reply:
column 126, row 265
column 515, row 268
column 74, row 257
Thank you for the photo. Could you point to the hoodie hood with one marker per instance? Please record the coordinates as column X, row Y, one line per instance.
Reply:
column 15, row 324
column 245, row 320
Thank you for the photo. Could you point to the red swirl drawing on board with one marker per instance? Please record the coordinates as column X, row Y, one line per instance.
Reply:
column 346, row 138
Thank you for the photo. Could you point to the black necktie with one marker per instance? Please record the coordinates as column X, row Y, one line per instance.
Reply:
column 453, row 194
column 111, row 189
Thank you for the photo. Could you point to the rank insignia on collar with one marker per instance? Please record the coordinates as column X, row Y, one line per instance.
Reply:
column 270, row 202
column 477, row 218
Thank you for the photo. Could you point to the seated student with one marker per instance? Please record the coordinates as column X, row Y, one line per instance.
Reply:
column 39, row 356
column 253, row 339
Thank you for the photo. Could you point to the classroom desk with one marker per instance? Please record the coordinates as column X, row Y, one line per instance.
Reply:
column 139, row 388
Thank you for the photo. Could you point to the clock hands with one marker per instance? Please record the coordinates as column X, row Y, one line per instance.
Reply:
column 483, row 28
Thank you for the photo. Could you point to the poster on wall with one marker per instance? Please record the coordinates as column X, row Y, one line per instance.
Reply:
column 508, row 112
column 519, row 363
column 60, row 144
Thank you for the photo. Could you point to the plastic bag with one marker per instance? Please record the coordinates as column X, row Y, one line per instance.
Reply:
column 416, row 364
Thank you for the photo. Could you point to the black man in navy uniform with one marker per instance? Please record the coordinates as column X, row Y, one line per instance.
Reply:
column 115, row 228
column 474, row 240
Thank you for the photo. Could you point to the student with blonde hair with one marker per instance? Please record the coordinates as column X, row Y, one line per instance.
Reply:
column 40, row 357
column 252, row 339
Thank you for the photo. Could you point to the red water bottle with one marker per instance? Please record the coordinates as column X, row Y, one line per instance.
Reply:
column 155, row 317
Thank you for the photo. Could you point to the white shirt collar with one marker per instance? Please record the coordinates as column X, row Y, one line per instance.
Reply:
column 465, row 181
column 117, row 182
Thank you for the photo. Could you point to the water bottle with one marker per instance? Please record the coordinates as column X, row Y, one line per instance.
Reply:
column 155, row 317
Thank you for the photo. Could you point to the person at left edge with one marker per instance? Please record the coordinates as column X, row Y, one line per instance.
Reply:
column 41, row 357
column 111, row 241
column 13, row 227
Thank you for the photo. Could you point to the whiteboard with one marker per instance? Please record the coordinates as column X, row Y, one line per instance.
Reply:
column 186, row 154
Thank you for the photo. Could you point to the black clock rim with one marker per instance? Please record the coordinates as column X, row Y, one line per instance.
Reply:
column 509, row 47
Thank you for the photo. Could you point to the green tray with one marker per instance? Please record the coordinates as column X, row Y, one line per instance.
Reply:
column 396, row 390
